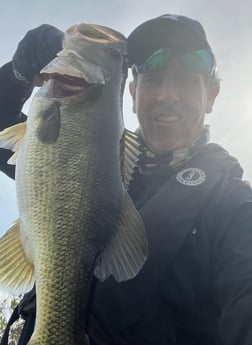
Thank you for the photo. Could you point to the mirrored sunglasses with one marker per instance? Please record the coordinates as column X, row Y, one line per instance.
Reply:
column 199, row 61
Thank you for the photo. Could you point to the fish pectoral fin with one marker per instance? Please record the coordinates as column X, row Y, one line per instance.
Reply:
column 127, row 251
column 11, row 139
column 16, row 271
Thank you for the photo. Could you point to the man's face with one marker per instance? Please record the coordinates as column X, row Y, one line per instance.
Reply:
column 170, row 105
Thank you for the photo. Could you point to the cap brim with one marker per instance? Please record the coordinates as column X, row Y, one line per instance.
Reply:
column 162, row 33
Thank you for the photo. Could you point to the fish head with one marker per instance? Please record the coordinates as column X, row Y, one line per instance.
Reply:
column 91, row 57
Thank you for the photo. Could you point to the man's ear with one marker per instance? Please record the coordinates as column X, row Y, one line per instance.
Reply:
column 212, row 93
column 132, row 90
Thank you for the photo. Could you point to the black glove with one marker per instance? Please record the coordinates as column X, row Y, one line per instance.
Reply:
column 27, row 305
column 38, row 47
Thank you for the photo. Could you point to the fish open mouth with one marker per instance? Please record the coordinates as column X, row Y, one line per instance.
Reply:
column 59, row 86
column 69, row 74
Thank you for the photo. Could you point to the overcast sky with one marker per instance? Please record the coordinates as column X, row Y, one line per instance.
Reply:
column 229, row 30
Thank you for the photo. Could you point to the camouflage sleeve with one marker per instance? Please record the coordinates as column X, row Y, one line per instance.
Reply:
column 26, row 309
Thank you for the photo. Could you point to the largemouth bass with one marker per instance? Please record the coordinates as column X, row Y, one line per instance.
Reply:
column 76, row 217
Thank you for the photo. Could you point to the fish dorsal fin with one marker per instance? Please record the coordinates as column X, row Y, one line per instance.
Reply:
column 127, row 251
column 130, row 156
column 11, row 139
column 16, row 271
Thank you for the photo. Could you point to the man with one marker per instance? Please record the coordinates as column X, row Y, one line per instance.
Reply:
column 196, row 286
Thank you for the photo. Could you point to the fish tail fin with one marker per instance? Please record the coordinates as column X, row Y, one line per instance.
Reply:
column 11, row 139
column 127, row 251
column 16, row 271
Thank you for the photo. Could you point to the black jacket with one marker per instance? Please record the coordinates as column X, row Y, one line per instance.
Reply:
column 12, row 98
column 196, row 287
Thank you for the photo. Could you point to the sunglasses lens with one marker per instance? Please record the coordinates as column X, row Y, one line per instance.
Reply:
column 199, row 61
column 156, row 61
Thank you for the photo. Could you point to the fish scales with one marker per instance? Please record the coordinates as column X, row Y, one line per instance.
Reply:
column 76, row 217
column 70, row 212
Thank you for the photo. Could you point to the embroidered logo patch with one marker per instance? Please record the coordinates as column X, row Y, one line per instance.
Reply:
column 191, row 177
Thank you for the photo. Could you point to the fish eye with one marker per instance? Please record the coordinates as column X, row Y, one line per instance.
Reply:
column 115, row 52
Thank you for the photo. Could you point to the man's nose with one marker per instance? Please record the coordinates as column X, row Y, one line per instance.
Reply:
column 168, row 91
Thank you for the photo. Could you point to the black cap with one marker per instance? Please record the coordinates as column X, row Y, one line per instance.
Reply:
column 166, row 31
